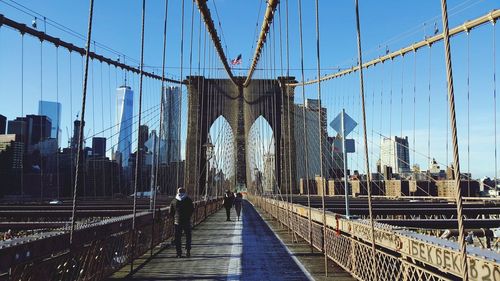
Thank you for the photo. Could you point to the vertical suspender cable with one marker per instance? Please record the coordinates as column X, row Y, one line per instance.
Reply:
column 203, row 89
column 138, row 155
column 160, row 133
column 58, row 118
column 22, row 105
column 402, row 95
column 119, row 169
column 495, row 101
column 372, row 125
column 306, row 157
column 111, row 131
column 447, row 163
column 367, row 165
column 178, row 144
column 70, row 82
column 162, row 109
column 429, row 115
column 381, row 119
column 275, row 113
column 414, row 102
column 208, row 119
column 390, row 101
column 190, row 73
column 320, row 117
column 92, row 92
column 284, row 96
column 82, row 123
column 84, row 182
column 102, row 134
column 288, row 98
column 198, row 121
column 281, row 40
column 197, row 169
column 453, row 121
column 468, row 112
column 41, row 124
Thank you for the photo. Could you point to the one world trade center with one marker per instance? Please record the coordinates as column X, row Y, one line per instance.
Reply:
column 124, row 114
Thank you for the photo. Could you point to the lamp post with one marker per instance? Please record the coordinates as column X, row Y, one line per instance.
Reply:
column 257, row 180
column 209, row 150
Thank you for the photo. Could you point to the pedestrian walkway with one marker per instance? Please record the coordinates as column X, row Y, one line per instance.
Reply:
column 235, row 250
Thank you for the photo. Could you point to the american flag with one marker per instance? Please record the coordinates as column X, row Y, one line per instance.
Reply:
column 237, row 60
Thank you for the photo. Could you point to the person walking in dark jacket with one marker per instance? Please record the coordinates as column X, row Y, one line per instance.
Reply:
column 181, row 209
column 228, row 204
column 238, row 201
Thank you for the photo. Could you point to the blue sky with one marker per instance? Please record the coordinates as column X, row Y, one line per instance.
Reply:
column 384, row 23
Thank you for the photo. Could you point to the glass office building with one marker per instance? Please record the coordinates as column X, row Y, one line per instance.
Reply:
column 124, row 117
column 53, row 111
column 172, row 98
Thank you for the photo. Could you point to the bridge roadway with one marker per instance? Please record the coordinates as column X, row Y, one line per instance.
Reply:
column 238, row 250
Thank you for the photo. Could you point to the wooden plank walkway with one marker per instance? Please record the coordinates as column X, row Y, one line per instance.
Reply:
column 235, row 250
column 310, row 258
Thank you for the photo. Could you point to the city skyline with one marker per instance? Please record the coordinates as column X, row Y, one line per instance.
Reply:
column 392, row 78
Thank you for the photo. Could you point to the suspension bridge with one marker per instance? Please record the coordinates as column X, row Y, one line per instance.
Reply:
column 381, row 168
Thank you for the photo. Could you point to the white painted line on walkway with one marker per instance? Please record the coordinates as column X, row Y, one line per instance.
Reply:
column 295, row 259
column 234, row 267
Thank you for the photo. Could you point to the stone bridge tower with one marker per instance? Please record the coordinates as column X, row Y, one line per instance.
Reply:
column 240, row 106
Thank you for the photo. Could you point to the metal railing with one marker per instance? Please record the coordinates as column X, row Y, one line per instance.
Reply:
column 98, row 250
column 401, row 254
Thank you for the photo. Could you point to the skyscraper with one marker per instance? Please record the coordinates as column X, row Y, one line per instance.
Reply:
column 18, row 127
column 76, row 134
column 32, row 129
column 3, row 124
column 53, row 111
column 16, row 150
column 143, row 136
column 98, row 147
column 312, row 132
column 394, row 153
column 171, row 101
column 124, row 117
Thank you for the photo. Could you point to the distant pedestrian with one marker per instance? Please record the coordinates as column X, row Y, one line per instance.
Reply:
column 7, row 235
column 238, row 201
column 228, row 203
column 181, row 210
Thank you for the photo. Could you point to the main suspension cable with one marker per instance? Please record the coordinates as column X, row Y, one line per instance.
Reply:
column 138, row 155
column 454, row 137
column 367, row 163
column 266, row 24
column 82, row 123
column 493, row 15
